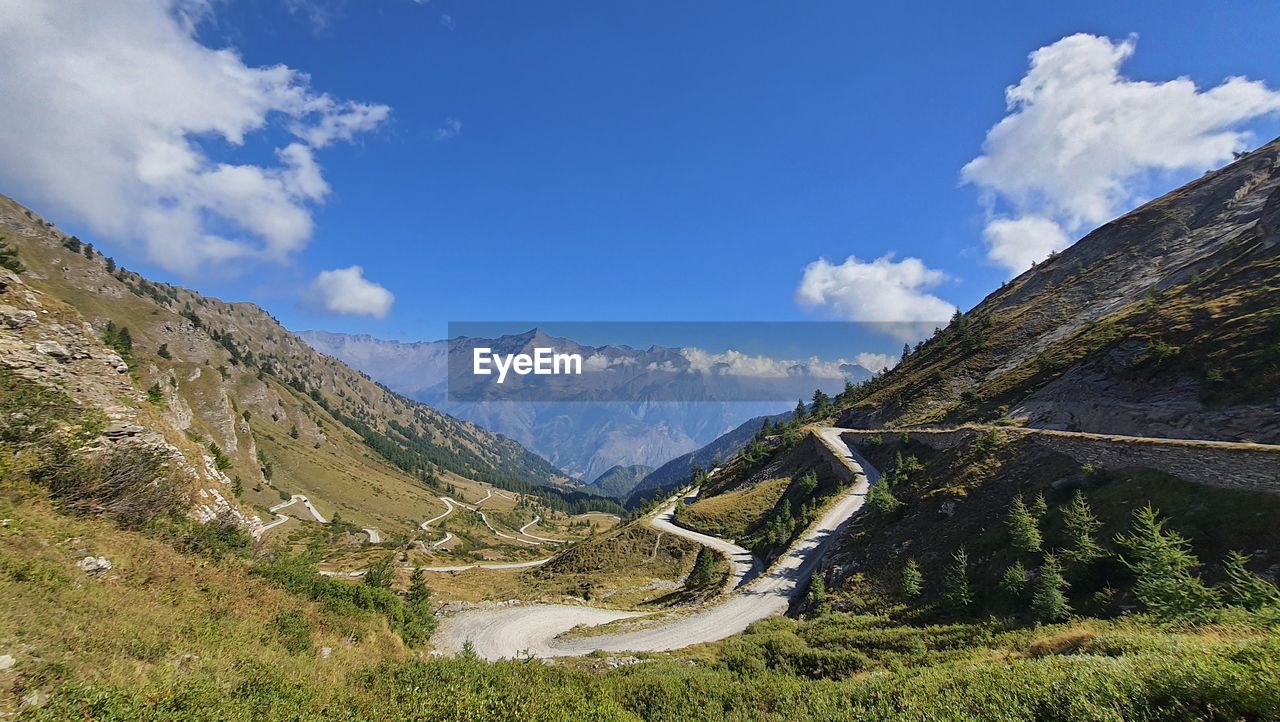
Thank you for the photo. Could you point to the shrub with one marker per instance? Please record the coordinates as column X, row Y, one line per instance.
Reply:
column 9, row 258
column 293, row 630
column 132, row 485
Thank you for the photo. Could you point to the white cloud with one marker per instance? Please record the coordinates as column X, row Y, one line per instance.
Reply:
column 1082, row 143
column 109, row 107
column 451, row 128
column 1016, row 243
column 736, row 363
column 883, row 290
column 875, row 361
column 447, row 22
column 347, row 292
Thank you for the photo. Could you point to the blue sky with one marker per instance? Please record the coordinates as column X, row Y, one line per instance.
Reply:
column 648, row 161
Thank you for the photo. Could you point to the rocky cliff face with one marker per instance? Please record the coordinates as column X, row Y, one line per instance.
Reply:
column 46, row 341
column 1161, row 323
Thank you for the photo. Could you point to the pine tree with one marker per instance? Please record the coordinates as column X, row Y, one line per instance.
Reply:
column 821, row 403
column 1244, row 588
column 1013, row 583
column 912, row 583
column 419, row 592
column 957, row 593
column 1039, row 507
column 881, row 499
column 1049, row 603
column 703, row 569
column 1081, row 528
column 800, row 412
column 817, row 591
column 1024, row 533
column 1164, row 568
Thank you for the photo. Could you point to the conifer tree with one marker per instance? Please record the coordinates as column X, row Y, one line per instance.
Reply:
column 1164, row 568
column 1049, row 603
column 1038, row 507
column 1024, row 533
column 419, row 592
column 912, row 582
column 881, row 499
column 1013, row 583
column 800, row 412
column 1081, row 528
column 1244, row 588
column 379, row 573
column 821, row 402
column 957, row 592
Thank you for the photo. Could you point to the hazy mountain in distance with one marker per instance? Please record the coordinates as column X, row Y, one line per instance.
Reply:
column 725, row 447
column 583, row 438
column 620, row 480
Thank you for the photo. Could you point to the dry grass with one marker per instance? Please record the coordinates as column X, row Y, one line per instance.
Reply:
column 156, row 614
column 735, row 514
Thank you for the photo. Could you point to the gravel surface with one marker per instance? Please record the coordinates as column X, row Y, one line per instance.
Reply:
column 534, row 629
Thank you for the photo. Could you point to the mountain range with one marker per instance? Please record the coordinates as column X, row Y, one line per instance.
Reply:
column 585, row 438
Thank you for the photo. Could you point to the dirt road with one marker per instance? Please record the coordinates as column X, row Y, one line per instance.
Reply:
column 535, row 629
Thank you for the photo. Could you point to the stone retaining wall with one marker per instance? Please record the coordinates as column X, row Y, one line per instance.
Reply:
column 1252, row 467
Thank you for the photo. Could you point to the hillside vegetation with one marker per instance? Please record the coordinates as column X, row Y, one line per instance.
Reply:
column 277, row 417
column 1160, row 323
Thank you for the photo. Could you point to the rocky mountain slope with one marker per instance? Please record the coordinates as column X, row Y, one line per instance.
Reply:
column 618, row 481
column 250, row 405
column 1160, row 323
column 679, row 470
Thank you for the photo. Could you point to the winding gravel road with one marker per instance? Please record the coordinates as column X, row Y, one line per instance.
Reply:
column 282, row 518
column 535, row 629
column 745, row 565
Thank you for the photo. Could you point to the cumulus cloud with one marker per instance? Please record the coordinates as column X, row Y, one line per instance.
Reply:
column 1016, row 243
column 110, row 108
column 347, row 292
column 1082, row 143
column 451, row 128
column 883, row 290
column 737, row 363
column 875, row 361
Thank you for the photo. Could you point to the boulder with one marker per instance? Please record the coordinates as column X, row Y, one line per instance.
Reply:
column 15, row 318
column 54, row 349
column 94, row 566
column 121, row 430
